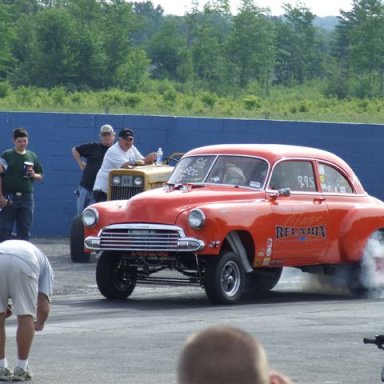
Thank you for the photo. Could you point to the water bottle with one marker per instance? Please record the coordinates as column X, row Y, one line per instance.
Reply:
column 159, row 159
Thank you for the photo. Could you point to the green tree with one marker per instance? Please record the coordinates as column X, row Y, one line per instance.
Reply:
column 133, row 74
column 363, row 29
column 298, row 57
column 19, row 8
column 250, row 48
column 119, row 25
column 167, row 51
column 47, row 54
column 7, row 60
column 207, row 44
column 151, row 18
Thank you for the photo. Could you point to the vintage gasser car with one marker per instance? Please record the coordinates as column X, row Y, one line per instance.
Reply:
column 232, row 216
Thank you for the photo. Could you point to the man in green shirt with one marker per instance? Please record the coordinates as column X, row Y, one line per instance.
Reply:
column 19, row 168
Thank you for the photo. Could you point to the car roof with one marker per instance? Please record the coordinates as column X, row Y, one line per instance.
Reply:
column 271, row 152
column 275, row 152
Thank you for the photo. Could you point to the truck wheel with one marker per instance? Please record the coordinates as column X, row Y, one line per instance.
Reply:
column 115, row 280
column 224, row 279
column 263, row 279
column 77, row 242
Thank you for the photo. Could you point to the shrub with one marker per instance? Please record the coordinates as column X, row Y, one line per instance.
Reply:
column 209, row 99
column 5, row 89
column 303, row 108
column 58, row 96
column 132, row 100
column 24, row 95
column 169, row 95
column 251, row 102
column 76, row 98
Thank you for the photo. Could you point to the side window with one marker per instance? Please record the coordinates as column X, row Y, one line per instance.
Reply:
column 296, row 175
column 332, row 180
column 238, row 170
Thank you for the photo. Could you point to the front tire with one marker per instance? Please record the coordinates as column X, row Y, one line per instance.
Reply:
column 224, row 279
column 76, row 242
column 115, row 280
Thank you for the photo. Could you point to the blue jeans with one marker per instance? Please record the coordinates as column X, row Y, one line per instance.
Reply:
column 84, row 198
column 20, row 213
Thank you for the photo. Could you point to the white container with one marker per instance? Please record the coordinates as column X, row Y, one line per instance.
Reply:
column 159, row 157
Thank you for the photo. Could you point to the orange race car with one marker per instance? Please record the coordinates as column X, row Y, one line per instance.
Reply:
column 231, row 217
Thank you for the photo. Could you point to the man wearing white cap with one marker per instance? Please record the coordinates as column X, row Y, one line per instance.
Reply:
column 93, row 153
column 122, row 154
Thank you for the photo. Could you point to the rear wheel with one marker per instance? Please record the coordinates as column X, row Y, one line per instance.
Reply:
column 367, row 277
column 263, row 279
column 115, row 280
column 76, row 245
column 224, row 279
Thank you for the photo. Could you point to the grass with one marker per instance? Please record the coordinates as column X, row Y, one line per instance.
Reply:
column 304, row 103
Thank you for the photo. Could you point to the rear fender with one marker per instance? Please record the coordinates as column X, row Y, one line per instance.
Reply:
column 357, row 228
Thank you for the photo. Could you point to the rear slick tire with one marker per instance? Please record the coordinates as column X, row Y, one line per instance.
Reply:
column 366, row 278
column 263, row 279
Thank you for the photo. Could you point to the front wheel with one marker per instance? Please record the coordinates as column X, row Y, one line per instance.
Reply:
column 115, row 279
column 76, row 242
column 224, row 279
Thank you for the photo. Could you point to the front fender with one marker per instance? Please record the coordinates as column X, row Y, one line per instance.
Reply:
column 222, row 219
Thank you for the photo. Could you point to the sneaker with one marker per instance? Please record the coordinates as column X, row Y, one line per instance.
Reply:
column 5, row 374
column 19, row 374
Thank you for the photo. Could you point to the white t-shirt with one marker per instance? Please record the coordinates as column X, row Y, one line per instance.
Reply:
column 114, row 158
column 36, row 261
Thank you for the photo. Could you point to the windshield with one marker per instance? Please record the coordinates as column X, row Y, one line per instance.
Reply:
column 232, row 170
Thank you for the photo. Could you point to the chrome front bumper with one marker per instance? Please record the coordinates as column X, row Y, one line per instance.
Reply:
column 143, row 238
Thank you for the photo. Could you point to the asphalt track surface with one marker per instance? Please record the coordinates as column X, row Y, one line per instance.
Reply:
column 311, row 333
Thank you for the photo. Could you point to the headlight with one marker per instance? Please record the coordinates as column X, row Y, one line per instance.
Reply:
column 90, row 217
column 116, row 180
column 138, row 181
column 196, row 219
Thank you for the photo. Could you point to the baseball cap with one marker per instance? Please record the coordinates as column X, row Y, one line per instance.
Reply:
column 126, row 132
column 106, row 128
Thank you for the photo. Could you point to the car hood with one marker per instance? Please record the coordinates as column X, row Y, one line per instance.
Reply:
column 162, row 206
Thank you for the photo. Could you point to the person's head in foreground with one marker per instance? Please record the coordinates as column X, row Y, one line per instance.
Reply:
column 225, row 355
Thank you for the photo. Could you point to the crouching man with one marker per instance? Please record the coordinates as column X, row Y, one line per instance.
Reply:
column 26, row 277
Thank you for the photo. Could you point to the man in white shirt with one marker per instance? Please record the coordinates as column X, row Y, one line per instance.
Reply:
column 122, row 154
column 26, row 277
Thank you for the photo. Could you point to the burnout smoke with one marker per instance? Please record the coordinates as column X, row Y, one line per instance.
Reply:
column 367, row 280
column 372, row 271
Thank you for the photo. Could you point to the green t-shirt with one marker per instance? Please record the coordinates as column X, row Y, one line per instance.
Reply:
column 13, row 178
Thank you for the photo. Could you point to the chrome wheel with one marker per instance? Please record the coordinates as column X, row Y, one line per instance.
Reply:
column 230, row 278
column 224, row 278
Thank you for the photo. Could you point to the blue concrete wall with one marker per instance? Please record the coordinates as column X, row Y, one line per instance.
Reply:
column 52, row 135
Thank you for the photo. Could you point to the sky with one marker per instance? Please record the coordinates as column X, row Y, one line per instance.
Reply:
column 317, row 7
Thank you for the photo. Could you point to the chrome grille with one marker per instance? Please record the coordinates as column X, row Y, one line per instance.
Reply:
column 124, row 193
column 150, row 238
